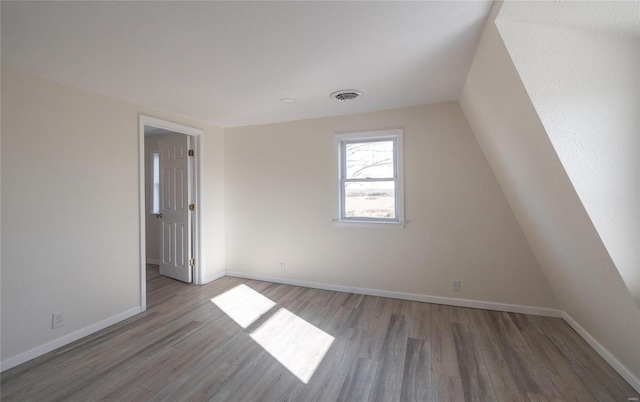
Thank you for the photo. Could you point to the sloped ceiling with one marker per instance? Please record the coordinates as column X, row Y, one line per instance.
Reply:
column 571, row 253
column 585, row 85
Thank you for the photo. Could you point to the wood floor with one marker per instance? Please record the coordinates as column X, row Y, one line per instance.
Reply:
column 184, row 347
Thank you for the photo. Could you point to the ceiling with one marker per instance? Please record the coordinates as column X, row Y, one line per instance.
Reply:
column 230, row 63
column 614, row 17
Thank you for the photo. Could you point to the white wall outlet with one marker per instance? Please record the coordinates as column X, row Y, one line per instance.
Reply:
column 281, row 267
column 57, row 319
column 456, row 286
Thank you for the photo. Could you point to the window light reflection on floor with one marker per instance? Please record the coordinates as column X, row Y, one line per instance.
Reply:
column 243, row 304
column 298, row 345
column 295, row 343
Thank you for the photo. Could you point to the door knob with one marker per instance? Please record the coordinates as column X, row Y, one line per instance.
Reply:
column 159, row 216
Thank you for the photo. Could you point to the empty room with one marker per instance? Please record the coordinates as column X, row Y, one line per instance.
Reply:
column 320, row 201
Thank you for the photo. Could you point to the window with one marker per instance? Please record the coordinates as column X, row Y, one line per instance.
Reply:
column 155, row 200
column 370, row 177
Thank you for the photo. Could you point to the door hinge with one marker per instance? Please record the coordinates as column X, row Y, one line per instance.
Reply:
column 192, row 207
column 192, row 262
column 191, row 152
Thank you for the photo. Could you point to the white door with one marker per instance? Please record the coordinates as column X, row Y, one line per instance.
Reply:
column 175, row 224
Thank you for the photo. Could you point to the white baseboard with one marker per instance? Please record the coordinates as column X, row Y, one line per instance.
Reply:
column 152, row 261
column 450, row 301
column 66, row 339
column 512, row 308
column 602, row 351
column 213, row 277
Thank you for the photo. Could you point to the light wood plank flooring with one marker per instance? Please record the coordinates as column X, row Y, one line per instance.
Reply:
column 186, row 348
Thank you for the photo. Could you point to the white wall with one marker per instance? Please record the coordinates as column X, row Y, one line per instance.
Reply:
column 585, row 86
column 280, row 197
column 70, row 224
column 572, row 256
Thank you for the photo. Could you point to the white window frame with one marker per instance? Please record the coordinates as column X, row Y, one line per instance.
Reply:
column 340, row 142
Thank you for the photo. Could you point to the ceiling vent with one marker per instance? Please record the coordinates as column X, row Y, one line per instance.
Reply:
column 346, row 95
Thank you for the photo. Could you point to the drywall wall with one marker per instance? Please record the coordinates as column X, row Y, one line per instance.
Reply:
column 212, row 233
column 585, row 86
column 280, row 197
column 572, row 256
column 70, row 223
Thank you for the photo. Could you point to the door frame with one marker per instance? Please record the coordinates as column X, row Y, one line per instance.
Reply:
column 198, row 147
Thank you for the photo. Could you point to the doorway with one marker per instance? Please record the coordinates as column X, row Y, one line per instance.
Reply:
column 177, row 224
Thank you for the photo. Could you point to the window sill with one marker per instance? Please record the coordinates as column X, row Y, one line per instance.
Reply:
column 370, row 224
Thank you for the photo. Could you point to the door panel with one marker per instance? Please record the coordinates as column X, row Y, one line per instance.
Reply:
column 175, row 239
column 181, row 260
column 166, row 183
column 165, row 239
column 182, row 193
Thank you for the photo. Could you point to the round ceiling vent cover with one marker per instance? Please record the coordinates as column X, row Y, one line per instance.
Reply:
column 346, row 95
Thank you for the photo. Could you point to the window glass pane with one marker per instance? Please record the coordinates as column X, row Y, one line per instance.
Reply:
column 155, row 208
column 370, row 200
column 369, row 160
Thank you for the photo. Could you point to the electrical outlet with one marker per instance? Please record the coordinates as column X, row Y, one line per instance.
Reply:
column 57, row 319
column 281, row 267
column 456, row 286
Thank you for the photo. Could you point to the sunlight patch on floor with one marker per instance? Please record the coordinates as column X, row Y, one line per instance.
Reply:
column 295, row 343
column 243, row 304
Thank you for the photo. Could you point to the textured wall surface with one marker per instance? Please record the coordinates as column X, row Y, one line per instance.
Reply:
column 585, row 86
column 571, row 254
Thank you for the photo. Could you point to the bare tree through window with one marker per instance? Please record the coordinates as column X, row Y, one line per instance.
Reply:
column 370, row 185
